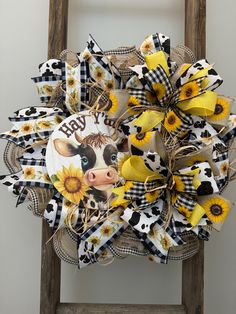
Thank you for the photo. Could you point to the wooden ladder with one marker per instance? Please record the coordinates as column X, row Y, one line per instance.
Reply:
column 193, row 268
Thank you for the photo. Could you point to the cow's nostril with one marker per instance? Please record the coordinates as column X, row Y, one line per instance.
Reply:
column 109, row 175
column 92, row 176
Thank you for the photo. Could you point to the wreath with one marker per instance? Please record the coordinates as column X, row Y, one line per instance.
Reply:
column 128, row 154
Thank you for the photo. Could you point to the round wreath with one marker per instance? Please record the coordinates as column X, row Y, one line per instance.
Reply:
column 129, row 153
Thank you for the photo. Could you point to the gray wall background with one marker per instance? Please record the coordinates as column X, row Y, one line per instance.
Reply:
column 23, row 33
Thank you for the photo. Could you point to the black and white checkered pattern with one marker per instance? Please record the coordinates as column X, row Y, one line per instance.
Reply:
column 184, row 200
column 140, row 94
column 159, row 75
column 138, row 189
column 188, row 183
column 32, row 162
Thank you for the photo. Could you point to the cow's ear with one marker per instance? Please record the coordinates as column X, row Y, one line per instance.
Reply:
column 123, row 146
column 65, row 147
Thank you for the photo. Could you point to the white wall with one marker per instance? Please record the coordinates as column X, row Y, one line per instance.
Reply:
column 23, row 33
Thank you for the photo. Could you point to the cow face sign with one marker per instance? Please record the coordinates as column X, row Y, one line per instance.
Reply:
column 82, row 158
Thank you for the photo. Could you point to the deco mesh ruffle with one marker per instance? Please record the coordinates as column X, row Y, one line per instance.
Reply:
column 128, row 153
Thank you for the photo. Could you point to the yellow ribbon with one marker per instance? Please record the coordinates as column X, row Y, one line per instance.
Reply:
column 134, row 169
column 201, row 105
column 156, row 59
column 149, row 119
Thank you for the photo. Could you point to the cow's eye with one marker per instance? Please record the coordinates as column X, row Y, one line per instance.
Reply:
column 84, row 160
column 114, row 157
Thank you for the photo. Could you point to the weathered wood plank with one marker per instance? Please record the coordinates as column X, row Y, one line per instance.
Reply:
column 193, row 268
column 195, row 26
column 83, row 308
column 50, row 263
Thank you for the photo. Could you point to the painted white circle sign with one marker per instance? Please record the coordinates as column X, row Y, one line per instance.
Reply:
column 81, row 158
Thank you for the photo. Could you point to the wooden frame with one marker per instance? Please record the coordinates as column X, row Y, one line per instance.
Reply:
column 193, row 268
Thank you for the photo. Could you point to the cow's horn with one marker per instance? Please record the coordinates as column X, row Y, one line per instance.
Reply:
column 78, row 138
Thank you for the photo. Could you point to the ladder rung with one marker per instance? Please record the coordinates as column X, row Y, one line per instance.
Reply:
column 92, row 308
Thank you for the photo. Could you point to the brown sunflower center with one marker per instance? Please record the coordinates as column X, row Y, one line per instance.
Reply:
column 106, row 230
column 71, row 82
column 94, row 241
column 28, row 172
column 218, row 109
column 171, row 119
column 216, row 210
column 72, row 184
column 99, row 74
column 26, row 128
column 109, row 85
column 140, row 136
column 189, row 92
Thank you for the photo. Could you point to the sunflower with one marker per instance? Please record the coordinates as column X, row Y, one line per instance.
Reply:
column 94, row 240
column 99, row 73
column 189, row 90
column 165, row 242
column 71, row 82
column 74, row 98
column 152, row 196
column 46, row 178
column 131, row 104
column 178, row 183
column 26, row 128
column 87, row 56
column 151, row 97
column 172, row 122
column 159, row 89
column 140, row 139
column 216, row 209
column 224, row 168
column 146, row 46
column 44, row 124
column 106, row 231
column 109, row 84
column 222, row 109
column 113, row 104
column 48, row 89
column 70, row 183
column 184, row 211
column 29, row 173
column 58, row 119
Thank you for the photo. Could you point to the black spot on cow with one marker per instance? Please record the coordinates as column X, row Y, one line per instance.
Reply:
column 49, row 208
column 92, row 204
column 144, row 70
column 57, row 65
column 212, row 72
column 148, row 215
column 151, row 157
column 47, row 72
column 136, row 151
column 135, row 218
column 166, row 45
column 200, row 124
column 30, row 150
column 143, row 226
column 30, row 111
column 206, row 134
column 198, row 66
column 125, row 129
column 90, row 45
column 7, row 183
column 84, row 259
column 15, row 177
column 2, row 177
column 42, row 113
column 194, row 167
column 43, row 151
column 208, row 172
column 205, row 188
column 139, row 129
